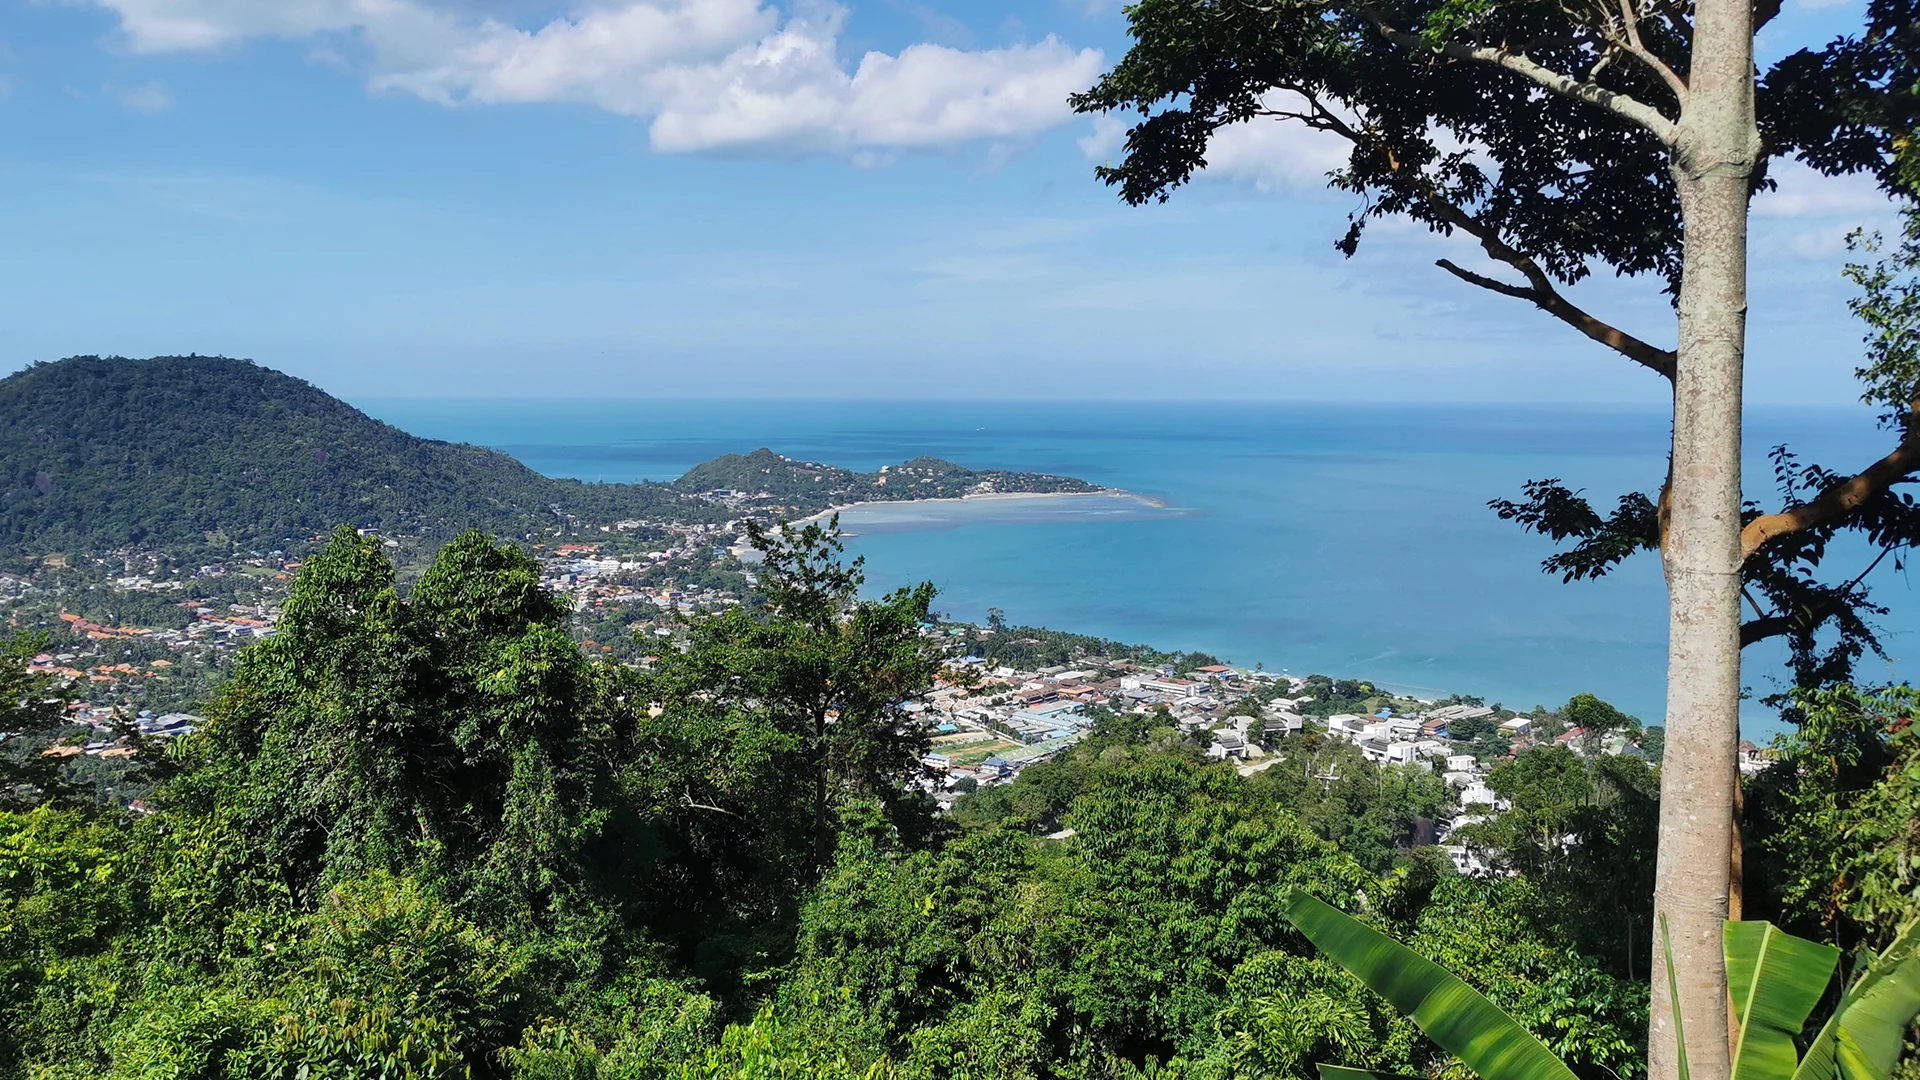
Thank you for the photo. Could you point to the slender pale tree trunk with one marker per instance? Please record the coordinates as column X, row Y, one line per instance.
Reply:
column 1713, row 164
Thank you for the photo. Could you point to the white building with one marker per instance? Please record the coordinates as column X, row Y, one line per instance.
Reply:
column 1346, row 726
column 1281, row 723
column 1478, row 793
column 1465, row 860
column 1173, row 687
column 1227, row 745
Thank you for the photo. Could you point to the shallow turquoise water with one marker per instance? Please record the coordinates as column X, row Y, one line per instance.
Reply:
column 1350, row 540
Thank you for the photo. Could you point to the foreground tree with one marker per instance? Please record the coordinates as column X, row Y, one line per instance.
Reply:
column 1581, row 830
column 33, row 708
column 422, row 836
column 457, row 733
column 773, row 723
column 1835, row 819
column 1559, row 137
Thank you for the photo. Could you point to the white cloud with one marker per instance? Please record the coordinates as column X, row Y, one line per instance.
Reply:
column 1809, row 216
column 611, row 58
column 171, row 25
column 711, row 75
column 1820, row 243
column 788, row 91
column 1109, row 134
column 151, row 97
column 1805, row 193
column 1276, row 155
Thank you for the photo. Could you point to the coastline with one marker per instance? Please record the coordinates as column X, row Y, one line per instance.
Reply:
column 986, row 497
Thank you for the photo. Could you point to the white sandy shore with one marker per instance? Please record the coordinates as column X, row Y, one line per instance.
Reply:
column 998, row 495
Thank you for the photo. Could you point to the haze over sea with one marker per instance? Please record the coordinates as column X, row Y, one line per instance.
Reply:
column 1351, row 540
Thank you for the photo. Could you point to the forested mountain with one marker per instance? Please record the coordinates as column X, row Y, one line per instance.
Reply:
column 179, row 452
column 105, row 452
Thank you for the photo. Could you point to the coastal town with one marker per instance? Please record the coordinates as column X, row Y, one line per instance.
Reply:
column 988, row 723
column 634, row 586
column 179, row 624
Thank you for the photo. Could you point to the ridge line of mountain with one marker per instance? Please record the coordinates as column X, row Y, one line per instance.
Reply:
column 202, row 453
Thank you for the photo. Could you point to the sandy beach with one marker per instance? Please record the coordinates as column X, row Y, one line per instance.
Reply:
column 1106, row 493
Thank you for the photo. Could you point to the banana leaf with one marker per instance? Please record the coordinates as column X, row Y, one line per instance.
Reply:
column 1775, row 980
column 1454, row 1015
column 1864, row 1037
column 1673, row 995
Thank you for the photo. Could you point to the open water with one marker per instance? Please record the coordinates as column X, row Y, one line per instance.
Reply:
column 1345, row 539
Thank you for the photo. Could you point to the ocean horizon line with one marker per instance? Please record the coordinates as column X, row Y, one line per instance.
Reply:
column 1648, row 407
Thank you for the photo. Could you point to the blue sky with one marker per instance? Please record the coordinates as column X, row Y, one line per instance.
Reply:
column 878, row 198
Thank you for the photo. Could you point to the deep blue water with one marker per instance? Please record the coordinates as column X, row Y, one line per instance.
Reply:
column 1344, row 539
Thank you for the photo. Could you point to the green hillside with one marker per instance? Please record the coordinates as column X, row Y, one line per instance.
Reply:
column 188, row 452
column 101, row 453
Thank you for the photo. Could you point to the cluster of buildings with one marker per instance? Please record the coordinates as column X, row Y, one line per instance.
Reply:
column 1239, row 714
column 582, row 560
column 65, row 666
column 108, row 740
column 223, row 627
column 991, row 722
column 227, row 627
column 589, row 579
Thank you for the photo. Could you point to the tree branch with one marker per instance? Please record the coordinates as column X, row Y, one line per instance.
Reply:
column 1839, row 500
column 1636, row 48
column 1540, row 291
column 1862, row 575
column 1549, row 300
column 689, row 804
column 1518, row 292
column 1772, row 626
column 1787, row 622
column 1622, row 105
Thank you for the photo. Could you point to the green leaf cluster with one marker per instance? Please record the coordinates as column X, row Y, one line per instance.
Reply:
column 1832, row 821
column 421, row 829
column 422, row 835
column 1154, row 941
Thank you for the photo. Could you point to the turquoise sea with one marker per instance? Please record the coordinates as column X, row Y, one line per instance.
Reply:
column 1347, row 539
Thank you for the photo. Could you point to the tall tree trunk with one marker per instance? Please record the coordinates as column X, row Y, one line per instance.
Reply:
column 1713, row 166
